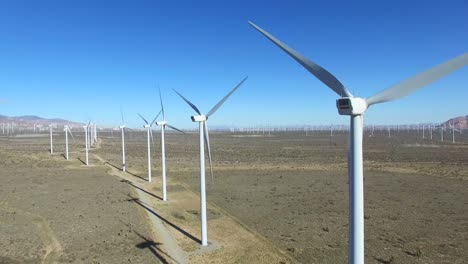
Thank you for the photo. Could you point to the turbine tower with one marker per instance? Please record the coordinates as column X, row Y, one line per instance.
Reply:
column 163, row 125
column 204, row 138
column 355, row 108
column 150, row 138
column 67, row 130
column 122, row 128
column 452, row 127
column 86, row 142
column 51, row 139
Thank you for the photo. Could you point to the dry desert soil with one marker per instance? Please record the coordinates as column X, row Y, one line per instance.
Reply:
column 279, row 198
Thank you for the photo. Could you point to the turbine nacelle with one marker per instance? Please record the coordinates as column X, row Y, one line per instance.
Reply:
column 199, row 118
column 351, row 106
column 161, row 123
column 122, row 126
column 146, row 126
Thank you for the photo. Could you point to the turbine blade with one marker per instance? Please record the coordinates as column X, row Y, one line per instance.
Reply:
column 175, row 128
column 162, row 106
column 320, row 73
column 154, row 120
column 143, row 119
column 189, row 103
column 418, row 81
column 121, row 115
column 71, row 135
column 160, row 140
column 151, row 135
column 225, row 98
column 207, row 145
column 152, row 142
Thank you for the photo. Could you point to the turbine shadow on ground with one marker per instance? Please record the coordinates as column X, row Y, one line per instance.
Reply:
column 120, row 169
column 145, row 191
column 84, row 163
column 135, row 175
column 146, row 207
column 154, row 247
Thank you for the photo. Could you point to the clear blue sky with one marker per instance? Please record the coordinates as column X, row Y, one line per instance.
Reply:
column 81, row 60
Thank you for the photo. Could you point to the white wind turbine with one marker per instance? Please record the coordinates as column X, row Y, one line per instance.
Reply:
column 430, row 130
column 67, row 130
column 86, row 143
column 204, row 137
column 355, row 108
column 122, row 128
column 163, row 125
column 452, row 127
column 51, row 139
column 95, row 133
column 150, row 138
column 442, row 129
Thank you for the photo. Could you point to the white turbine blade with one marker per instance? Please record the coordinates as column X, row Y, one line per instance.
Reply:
column 418, row 81
column 160, row 140
column 71, row 135
column 189, row 103
column 121, row 115
column 156, row 117
column 208, row 149
column 152, row 143
column 175, row 128
column 162, row 106
column 225, row 98
column 320, row 73
column 143, row 119
column 151, row 136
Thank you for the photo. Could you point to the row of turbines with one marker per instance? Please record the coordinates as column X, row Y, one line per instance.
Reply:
column 347, row 104
column 201, row 119
column 425, row 131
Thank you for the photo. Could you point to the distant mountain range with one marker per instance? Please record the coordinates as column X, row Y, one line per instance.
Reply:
column 31, row 120
column 460, row 122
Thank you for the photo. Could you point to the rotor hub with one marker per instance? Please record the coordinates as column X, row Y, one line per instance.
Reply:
column 199, row 118
column 351, row 106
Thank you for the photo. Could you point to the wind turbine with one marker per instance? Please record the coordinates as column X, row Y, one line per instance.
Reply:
column 163, row 125
column 122, row 128
column 86, row 142
column 452, row 127
column 51, row 139
column 150, row 137
column 204, row 137
column 67, row 130
column 355, row 108
column 95, row 133
column 442, row 129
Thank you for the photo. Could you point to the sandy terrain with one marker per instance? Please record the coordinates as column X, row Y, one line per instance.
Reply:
column 57, row 211
column 275, row 199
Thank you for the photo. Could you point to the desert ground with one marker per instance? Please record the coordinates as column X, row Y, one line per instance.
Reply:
column 279, row 198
